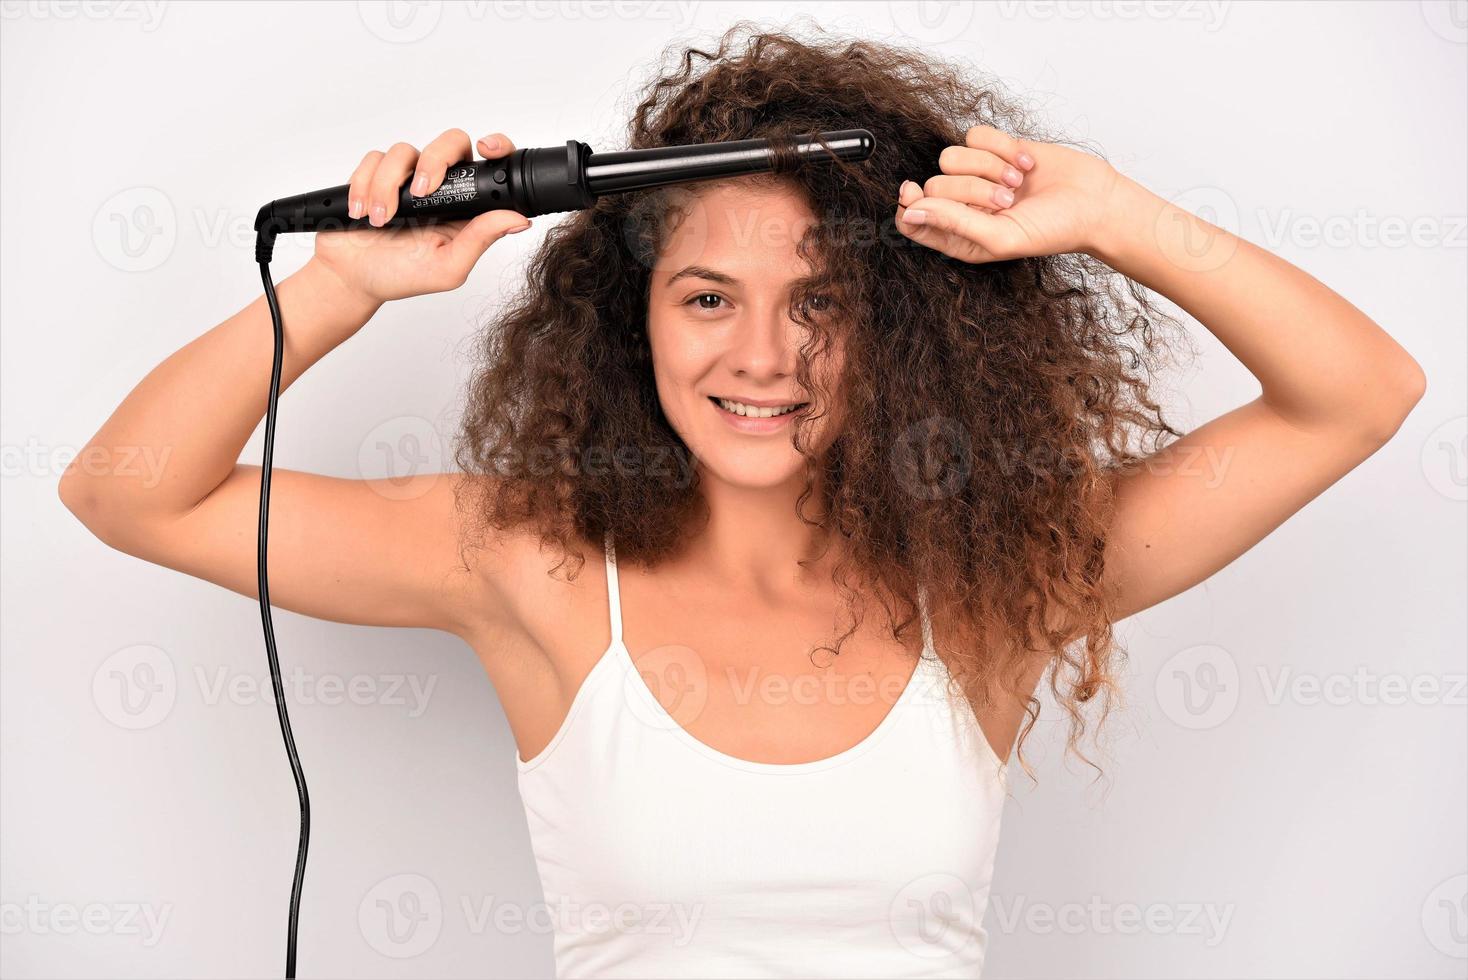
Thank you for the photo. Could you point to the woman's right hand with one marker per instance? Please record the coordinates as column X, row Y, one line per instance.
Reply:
column 394, row 263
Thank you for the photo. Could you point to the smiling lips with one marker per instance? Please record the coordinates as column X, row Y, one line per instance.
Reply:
column 755, row 410
column 747, row 417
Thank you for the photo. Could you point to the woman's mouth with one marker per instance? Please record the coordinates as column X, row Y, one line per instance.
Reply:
column 755, row 418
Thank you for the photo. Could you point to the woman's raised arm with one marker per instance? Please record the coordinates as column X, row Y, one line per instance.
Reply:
column 1334, row 385
column 357, row 551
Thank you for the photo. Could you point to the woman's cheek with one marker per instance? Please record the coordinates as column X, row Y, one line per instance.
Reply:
column 672, row 396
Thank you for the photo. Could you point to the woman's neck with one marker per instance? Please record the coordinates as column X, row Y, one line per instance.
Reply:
column 754, row 539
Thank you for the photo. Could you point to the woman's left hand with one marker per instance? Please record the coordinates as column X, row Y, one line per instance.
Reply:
column 999, row 198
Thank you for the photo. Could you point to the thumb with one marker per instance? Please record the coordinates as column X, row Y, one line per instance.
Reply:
column 483, row 231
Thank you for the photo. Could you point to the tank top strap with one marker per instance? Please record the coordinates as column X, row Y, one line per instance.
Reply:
column 614, row 591
column 922, row 599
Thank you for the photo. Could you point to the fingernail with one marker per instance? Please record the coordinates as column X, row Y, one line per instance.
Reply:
column 914, row 217
column 379, row 214
column 420, row 185
column 902, row 191
column 1013, row 177
column 1003, row 196
column 518, row 229
column 1025, row 160
column 491, row 144
column 354, row 209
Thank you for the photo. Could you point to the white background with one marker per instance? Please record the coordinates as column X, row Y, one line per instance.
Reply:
column 1325, row 829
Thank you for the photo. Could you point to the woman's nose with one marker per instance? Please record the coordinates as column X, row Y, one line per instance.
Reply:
column 765, row 345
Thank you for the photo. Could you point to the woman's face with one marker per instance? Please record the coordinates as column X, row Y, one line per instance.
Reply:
column 725, row 343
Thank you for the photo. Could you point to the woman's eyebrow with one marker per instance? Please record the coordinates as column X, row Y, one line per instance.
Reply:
column 702, row 272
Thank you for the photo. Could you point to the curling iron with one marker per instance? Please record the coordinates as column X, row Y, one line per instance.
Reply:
column 542, row 180
column 552, row 179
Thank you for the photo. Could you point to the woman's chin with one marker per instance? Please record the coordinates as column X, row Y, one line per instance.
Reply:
column 753, row 470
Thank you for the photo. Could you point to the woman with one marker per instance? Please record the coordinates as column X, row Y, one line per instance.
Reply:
column 766, row 407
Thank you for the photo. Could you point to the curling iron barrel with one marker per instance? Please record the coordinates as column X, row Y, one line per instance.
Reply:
column 547, row 180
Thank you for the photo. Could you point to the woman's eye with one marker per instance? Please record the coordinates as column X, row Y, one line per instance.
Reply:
column 701, row 301
column 818, row 303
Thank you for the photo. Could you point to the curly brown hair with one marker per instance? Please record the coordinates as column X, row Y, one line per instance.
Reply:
column 986, row 407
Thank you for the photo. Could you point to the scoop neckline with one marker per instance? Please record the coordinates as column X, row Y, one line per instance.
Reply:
column 672, row 727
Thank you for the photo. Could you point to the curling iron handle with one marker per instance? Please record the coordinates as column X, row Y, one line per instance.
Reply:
column 533, row 181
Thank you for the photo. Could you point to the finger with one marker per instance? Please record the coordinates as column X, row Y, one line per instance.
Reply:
column 938, row 241
column 968, row 229
column 382, row 195
column 495, row 145
column 979, row 163
column 446, row 150
column 942, row 214
column 480, row 233
column 360, row 182
column 941, row 241
column 909, row 195
column 1015, row 151
column 969, row 190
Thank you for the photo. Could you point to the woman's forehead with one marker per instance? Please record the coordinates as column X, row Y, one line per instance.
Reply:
column 740, row 229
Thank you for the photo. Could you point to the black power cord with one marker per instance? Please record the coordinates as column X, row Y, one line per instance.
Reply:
column 264, row 246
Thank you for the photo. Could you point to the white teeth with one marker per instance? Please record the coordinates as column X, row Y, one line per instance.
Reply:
column 755, row 411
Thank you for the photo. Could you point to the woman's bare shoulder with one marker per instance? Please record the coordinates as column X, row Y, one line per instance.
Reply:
column 530, row 592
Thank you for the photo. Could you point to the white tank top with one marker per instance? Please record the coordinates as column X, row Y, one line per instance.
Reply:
column 661, row 856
